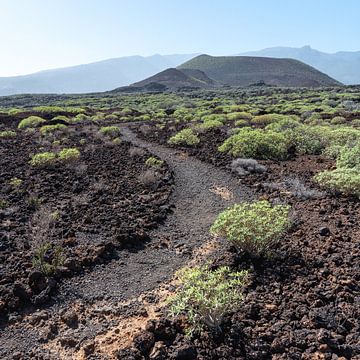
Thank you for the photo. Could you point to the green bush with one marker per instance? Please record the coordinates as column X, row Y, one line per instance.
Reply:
column 239, row 116
column 43, row 159
column 206, row 296
column 69, row 155
column 258, row 144
column 349, row 158
column 267, row 119
column 41, row 259
column 30, row 122
column 154, row 162
column 210, row 124
column 7, row 134
column 49, row 129
column 345, row 180
column 112, row 131
column 15, row 182
column 253, row 227
column 184, row 137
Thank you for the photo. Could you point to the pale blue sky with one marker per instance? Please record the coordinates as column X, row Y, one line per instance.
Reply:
column 43, row 34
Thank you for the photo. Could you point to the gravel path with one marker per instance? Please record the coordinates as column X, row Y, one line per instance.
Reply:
column 201, row 191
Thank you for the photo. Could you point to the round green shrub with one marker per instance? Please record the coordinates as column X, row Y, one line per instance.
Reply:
column 30, row 122
column 205, row 296
column 258, row 144
column 253, row 227
column 43, row 159
column 184, row 137
column 69, row 155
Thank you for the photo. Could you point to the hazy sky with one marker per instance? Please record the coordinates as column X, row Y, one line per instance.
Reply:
column 43, row 34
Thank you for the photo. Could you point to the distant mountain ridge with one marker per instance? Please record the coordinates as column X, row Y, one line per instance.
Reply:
column 343, row 66
column 176, row 79
column 249, row 70
column 94, row 77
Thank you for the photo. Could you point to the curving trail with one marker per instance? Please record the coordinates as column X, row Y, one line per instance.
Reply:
column 201, row 191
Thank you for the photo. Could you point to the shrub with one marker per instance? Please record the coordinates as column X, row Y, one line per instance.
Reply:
column 43, row 159
column 206, row 296
column 49, row 129
column 258, row 144
column 247, row 166
column 345, row 180
column 111, row 131
column 210, row 124
column 241, row 123
column 184, row 137
column 42, row 262
column 338, row 120
column 15, row 182
column 252, row 227
column 349, row 158
column 267, row 119
column 30, row 122
column 239, row 116
column 154, row 162
column 116, row 141
column 69, row 155
column 7, row 134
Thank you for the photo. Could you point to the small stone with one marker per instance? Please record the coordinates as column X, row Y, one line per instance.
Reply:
column 324, row 231
column 271, row 307
column 324, row 348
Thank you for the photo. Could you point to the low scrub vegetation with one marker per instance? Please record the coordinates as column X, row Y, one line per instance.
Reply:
column 7, row 134
column 154, row 162
column 258, row 144
column 112, row 131
column 253, row 227
column 184, row 137
column 69, row 155
column 31, row 122
column 43, row 159
column 205, row 296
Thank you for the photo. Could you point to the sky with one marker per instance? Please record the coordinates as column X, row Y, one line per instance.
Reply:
column 44, row 34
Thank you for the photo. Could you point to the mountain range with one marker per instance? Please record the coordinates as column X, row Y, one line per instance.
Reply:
column 109, row 74
column 94, row 77
column 343, row 66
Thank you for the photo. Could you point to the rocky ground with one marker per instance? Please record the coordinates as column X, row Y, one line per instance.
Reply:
column 96, row 312
column 301, row 304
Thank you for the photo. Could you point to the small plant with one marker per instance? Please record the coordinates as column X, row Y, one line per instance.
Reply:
column 43, row 159
column 50, row 129
column 112, row 131
column 253, row 227
column 31, row 122
column 69, row 155
column 184, row 137
column 15, row 182
column 47, row 255
column 247, row 166
column 206, row 296
column 258, row 144
column 47, row 258
column 3, row 204
column 345, row 180
column 7, row 134
column 349, row 157
column 154, row 162
column 116, row 141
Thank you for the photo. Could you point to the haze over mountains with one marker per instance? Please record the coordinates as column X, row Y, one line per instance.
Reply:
column 114, row 73
column 343, row 66
column 98, row 76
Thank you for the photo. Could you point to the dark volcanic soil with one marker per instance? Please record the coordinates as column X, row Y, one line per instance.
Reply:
column 304, row 303
column 86, row 314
